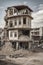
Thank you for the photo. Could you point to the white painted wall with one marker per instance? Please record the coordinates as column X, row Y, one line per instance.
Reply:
column 18, row 13
column 27, row 25
column 13, row 37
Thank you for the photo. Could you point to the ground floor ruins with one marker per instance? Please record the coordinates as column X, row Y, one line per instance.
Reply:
column 10, row 47
column 20, row 45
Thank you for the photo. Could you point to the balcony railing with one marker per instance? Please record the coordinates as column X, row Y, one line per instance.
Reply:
column 16, row 14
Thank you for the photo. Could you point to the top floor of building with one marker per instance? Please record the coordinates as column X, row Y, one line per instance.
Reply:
column 18, row 10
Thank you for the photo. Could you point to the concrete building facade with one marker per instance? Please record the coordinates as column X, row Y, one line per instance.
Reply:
column 37, row 35
column 1, row 37
column 18, row 26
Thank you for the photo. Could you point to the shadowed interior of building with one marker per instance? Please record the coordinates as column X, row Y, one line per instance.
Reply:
column 21, row 45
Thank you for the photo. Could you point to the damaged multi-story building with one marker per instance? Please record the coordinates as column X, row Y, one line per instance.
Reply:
column 18, row 26
column 37, row 36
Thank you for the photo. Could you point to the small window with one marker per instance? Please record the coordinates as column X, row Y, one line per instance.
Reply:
column 19, row 21
column 11, row 11
column 24, row 20
column 10, row 34
column 32, row 32
column 11, row 24
column 26, row 12
column 15, row 34
column 15, row 22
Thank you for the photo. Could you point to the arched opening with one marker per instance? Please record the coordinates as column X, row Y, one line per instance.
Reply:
column 23, row 45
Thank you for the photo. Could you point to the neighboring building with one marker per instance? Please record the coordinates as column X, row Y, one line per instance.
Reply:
column 37, row 35
column 1, row 36
column 18, row 26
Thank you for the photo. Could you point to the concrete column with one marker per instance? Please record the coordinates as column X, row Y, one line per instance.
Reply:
column 29, row 45
column 27, row 21
column 17, row 22
column 22, row 21
column 17, row 46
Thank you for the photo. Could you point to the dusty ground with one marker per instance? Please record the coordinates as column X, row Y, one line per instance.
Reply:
column 35, row 59
column 29, row 59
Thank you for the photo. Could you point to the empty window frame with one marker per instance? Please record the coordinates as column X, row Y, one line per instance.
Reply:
column 11, row 24
column 19, row 21
column 26, row 12
column 15, row 10
column 24, row 20
column 14, row 45
column 15, row 22
column 15, row 34
column 11, row 12
column 26, row 32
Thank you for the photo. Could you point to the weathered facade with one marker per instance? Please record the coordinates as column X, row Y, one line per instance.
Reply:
column 37, row 35
column 1, row 36
column 18, row 26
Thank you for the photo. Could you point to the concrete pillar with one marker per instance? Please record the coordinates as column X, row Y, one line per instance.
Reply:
column 22, row 21
column 29, row 45
column 17, row 46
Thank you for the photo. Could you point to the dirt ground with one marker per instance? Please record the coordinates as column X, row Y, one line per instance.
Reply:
column 30, row 59
column 35, row 59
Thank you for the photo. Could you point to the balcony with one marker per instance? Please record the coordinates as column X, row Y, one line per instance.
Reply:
column 12, row 16
column 17, row 14
column 19, row 27
column 35, row 34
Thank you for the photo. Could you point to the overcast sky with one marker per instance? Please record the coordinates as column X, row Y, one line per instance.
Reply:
column 35, row 5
